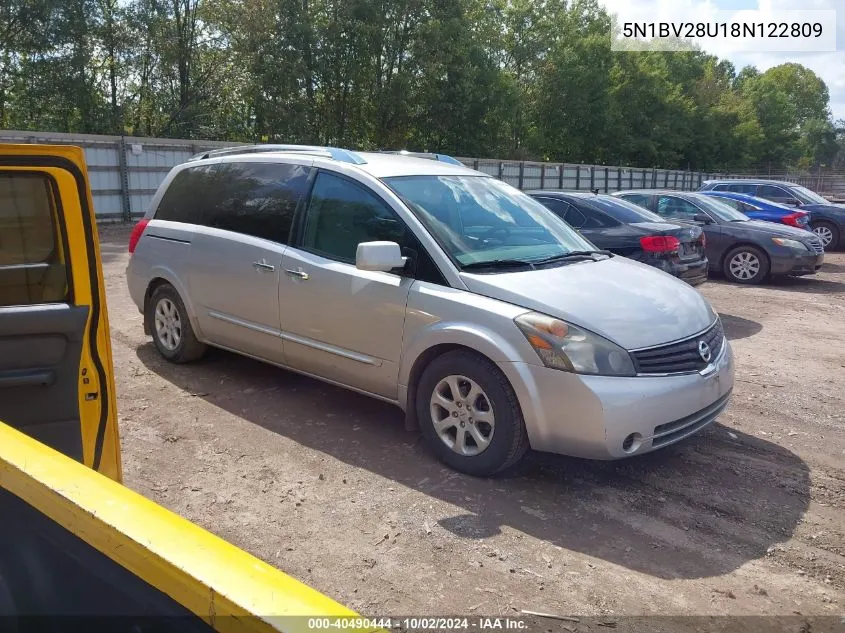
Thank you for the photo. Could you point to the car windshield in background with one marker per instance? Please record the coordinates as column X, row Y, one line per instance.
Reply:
column 477, row 219
column 623, row 211
column 724, row 212
column 806, row 196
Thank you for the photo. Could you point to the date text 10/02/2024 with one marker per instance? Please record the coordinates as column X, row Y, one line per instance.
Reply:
column 417, row 623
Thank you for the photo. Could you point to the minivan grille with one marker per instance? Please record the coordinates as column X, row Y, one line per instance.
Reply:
column 817, row 246
column 683, row 356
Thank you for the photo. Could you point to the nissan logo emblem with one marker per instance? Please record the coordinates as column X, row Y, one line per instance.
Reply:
column 704, row 351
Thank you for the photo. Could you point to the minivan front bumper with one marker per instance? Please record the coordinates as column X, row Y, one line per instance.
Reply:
column 606, row 417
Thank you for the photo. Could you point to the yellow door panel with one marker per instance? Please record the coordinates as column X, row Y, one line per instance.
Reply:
column 56, row 376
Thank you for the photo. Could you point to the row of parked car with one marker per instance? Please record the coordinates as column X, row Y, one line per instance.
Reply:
column 748, row 230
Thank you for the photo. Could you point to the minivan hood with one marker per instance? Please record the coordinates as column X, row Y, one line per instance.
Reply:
column 632, row 304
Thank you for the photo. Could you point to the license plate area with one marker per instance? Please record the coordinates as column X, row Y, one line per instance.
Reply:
column 689, row 250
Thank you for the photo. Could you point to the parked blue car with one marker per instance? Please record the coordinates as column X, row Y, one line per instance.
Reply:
column 761, row 209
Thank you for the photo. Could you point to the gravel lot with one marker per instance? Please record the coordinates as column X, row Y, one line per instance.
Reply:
column 745, row 518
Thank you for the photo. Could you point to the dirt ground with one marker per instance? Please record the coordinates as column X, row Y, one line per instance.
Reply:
column 746, row 518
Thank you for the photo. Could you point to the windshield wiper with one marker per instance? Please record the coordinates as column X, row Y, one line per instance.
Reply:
column 572, row 255
column 498, row 263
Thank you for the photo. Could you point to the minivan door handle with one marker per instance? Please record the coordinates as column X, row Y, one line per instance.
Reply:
column 297, row 273
column 262, row 265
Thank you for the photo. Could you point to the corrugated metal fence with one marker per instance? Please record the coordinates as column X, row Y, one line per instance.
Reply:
column 126, row 171
column 535, row 175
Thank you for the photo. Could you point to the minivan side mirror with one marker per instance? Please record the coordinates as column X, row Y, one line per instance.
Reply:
column 792, row 202
column 703, row 218
column 379, row 256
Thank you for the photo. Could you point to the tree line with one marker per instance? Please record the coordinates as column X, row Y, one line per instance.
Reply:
column 526, row 79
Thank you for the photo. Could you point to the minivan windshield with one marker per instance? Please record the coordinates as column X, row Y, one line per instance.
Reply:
column 806, row 196
column 478, row 219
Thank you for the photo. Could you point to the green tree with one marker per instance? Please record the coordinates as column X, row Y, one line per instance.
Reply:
column 531, row 79
column 572, row 96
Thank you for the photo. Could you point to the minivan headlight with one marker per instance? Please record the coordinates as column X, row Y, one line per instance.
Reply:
column 561, row 345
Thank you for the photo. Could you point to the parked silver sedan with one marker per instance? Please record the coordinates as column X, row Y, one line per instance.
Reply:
column 492, row 323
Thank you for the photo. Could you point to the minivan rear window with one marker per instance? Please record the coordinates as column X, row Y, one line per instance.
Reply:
column 183, row 199
column 251, row 198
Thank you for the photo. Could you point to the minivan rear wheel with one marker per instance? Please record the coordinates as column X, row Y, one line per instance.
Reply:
column 171, row 328
column 469, row 414
column 746, row 265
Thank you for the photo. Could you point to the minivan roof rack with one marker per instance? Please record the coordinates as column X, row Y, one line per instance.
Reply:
column 336, row 153
column 443, row 158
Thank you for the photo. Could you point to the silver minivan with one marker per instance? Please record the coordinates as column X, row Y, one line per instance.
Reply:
column 443, row 290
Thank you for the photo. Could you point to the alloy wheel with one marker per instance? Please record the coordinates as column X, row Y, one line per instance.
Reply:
column 168, row 324
column 744, row 265
column 824, row 233
column 462, row 415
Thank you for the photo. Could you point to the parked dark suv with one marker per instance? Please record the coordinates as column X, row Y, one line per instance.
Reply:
column 827, row 220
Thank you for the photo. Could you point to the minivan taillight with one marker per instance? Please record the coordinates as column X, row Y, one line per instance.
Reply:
column 660, row 244
column 797, row 219
column 137, row 232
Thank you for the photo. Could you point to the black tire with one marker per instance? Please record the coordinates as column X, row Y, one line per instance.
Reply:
column 508, row 441
column 762, row 270
column 834, row 232
column 188, row 348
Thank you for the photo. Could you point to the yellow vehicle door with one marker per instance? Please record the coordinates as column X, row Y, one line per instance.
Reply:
column 74, row 543
column 56, row 381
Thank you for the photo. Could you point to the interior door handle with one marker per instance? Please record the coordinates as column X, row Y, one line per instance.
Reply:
column 27, row 378
column 297, row 273
column 263, row 266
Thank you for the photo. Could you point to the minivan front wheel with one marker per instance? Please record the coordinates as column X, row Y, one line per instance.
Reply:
column 469, row 414
column 171, row 328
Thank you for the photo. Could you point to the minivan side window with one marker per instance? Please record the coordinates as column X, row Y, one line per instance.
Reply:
column 257, row 199
column 183, row 199
column 32, row 268
column 342, row 214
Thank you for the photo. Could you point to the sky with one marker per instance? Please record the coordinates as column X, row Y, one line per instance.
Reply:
column 830, row 66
